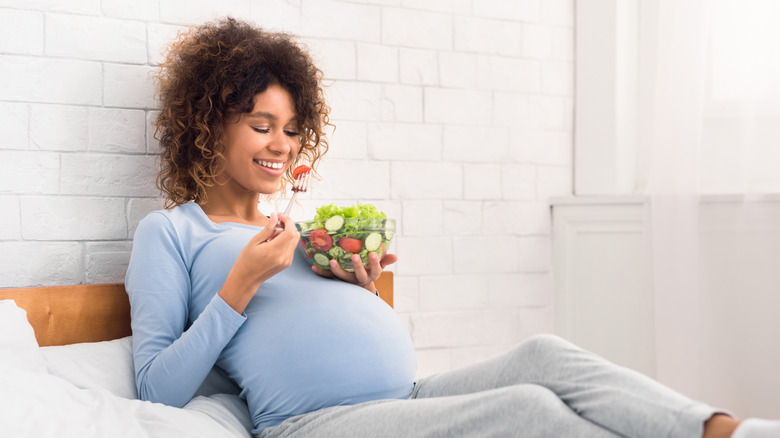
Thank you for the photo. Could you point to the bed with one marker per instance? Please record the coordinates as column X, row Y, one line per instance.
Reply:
column 66, row 370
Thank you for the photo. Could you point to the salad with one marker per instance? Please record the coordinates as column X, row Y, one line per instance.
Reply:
column 336, row 233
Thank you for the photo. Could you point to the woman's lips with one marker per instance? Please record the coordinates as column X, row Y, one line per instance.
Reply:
column 275, row 168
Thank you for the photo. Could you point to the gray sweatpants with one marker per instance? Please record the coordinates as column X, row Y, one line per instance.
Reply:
column 544, row 387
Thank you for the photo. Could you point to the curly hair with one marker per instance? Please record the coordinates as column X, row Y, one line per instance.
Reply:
column 214, row 71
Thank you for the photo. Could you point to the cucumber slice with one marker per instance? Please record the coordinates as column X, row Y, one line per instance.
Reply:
column 322, row 260
column 334, row 223
column 373, row 241
column 389, row 226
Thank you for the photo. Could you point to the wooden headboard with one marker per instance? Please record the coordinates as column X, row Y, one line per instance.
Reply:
column 62, row 315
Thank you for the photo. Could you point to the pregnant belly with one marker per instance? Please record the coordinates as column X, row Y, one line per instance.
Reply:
column 299, row 352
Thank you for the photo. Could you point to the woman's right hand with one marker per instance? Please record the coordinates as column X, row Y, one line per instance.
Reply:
column 267, row 253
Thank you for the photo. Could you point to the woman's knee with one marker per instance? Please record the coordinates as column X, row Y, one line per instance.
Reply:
column 546, row 340
column 543, row 346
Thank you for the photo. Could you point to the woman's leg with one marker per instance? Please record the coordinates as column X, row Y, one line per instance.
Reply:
column 513, row 411
column 613, row 397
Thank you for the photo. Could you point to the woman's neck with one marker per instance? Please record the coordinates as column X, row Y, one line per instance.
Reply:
column 222, row 207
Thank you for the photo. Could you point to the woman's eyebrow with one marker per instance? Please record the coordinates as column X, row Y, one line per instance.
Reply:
column 264, row 115
column 269, row 116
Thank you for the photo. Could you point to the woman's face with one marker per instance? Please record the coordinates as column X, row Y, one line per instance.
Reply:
column 261, row 145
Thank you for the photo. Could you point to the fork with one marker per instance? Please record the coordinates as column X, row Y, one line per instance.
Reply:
column 300, row 184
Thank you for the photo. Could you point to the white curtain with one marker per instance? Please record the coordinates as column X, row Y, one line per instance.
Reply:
column 713, row 126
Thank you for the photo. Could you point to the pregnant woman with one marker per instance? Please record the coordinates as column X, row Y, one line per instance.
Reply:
column 213, row 282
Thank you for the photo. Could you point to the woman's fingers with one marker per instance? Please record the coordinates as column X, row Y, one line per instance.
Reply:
column 362, row 277
column 388, row 259
column 322, row 272
column 335, row 268
column 282, row 243
column 374, row 265
column 268, row 233
column 350, row 277
column 290, row 232
column 289, row 224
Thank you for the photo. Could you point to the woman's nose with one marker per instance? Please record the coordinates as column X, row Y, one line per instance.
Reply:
column 280, row 142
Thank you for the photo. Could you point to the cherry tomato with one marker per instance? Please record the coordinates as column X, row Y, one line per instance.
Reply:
column 300, row 169
column 349, row 244
column 320, row 240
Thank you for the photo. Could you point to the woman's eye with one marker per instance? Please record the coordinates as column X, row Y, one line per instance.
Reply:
column 262, row 130
column 291, row 133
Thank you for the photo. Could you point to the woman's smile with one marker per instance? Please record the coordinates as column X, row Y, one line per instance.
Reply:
column 275, row 168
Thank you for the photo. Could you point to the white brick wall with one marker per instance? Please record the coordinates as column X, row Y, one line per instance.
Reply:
column 21, row 32
column 453, row 116
column 75, row 37
column 52, row 80
column 14, row 123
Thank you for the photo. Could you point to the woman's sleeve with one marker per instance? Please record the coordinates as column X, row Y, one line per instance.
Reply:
column 170, row 363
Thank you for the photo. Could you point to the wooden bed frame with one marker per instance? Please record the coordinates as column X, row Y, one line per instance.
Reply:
column 62, row 315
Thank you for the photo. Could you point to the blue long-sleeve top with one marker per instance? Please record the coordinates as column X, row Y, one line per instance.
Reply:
column 303, row 343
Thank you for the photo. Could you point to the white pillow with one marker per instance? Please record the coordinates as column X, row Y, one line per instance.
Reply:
column 18, row 347
column 92, row 365
column 109, row 365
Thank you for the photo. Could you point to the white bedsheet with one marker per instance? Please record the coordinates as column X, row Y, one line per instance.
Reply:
column 41, row 405
column 87, row 390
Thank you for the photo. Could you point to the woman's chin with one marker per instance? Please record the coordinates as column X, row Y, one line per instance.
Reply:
column 267, row 190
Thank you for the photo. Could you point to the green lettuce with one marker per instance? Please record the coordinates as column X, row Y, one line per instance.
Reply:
column 360, row 210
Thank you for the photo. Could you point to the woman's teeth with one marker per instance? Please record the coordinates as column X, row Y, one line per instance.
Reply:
column 270, row 164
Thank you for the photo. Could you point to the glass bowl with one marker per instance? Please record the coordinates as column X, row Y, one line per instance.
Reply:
column 338, row 238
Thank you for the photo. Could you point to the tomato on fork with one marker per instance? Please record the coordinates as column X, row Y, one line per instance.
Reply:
column 299, row 170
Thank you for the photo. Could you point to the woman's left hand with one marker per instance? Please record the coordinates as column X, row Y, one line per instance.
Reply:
column 363, row 276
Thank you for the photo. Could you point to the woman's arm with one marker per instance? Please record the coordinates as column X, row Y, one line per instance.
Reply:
column 171, row 363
